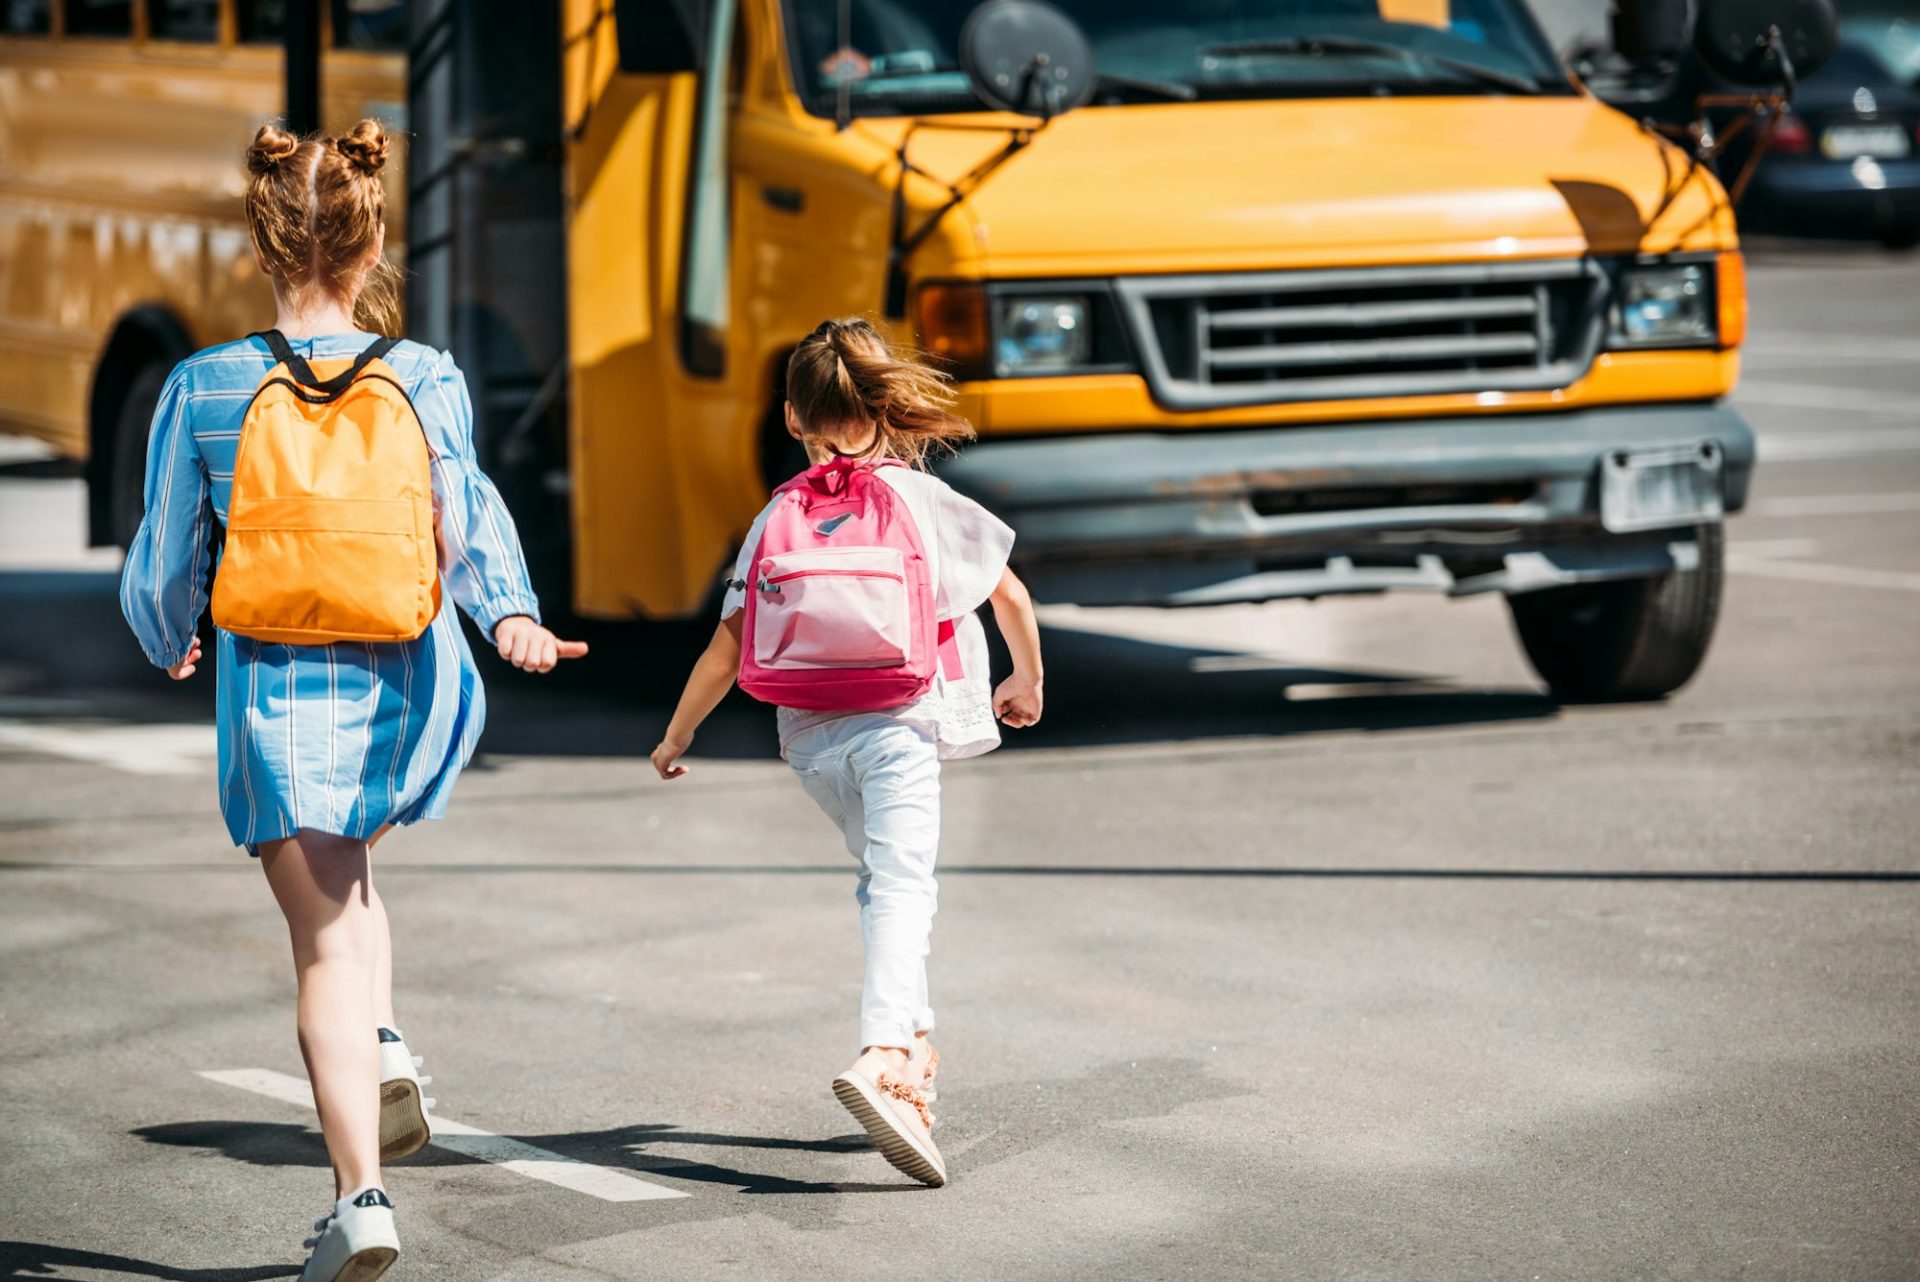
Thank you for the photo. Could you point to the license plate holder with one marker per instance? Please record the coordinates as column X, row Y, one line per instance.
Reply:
column 1657, row 489
column 1849, row 142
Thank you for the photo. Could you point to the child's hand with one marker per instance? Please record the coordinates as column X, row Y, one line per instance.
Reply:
column 666, row 758
column 184, row 669
column 1018, row 700
column 530, row 647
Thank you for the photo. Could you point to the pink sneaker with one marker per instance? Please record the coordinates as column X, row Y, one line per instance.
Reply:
column 895, row 1114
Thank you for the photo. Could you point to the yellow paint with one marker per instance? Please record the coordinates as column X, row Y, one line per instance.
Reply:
column 1429, row 13
column 666, row 476
column 120, row 183
column 119, row 179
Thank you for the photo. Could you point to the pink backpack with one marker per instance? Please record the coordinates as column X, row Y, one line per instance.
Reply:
column 839, row 599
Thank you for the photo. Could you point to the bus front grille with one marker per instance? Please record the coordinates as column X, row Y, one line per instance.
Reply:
column 1215, row 341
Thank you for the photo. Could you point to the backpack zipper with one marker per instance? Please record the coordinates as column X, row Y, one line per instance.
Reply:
column 773, row 584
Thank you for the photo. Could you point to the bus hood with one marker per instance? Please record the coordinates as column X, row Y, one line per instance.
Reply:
column 1228, row 185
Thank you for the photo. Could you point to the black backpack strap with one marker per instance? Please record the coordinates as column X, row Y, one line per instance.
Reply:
column 295, row 363
column 303, row 373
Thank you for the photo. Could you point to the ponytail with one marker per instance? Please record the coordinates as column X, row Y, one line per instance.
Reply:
column 844, row 374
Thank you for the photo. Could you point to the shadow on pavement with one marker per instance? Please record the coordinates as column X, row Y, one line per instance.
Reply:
column 67, row 654
column 294, row 1144
column 39, row 1260
column 626, row 1146
column 273, row 1143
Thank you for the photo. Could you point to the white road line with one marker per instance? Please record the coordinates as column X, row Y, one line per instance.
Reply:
column 1770, row 548
column 1851, row 347
column 1778, row 447
column 1820, row 572
column 470, row 1141
column 1819, row 396
column 1836, row 504
column 138, row 750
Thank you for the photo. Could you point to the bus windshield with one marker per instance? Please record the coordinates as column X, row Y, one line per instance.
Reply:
column 898, row 57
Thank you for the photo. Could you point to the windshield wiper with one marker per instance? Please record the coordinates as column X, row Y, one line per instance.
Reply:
column 1355, row 44
column 904, row 73
column 1171, row 90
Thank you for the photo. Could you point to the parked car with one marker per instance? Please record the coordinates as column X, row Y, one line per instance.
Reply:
column 1891, row 28
column 1841, row 163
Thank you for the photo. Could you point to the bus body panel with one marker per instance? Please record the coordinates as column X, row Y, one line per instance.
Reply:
column 120, row 185
column 1103, row 192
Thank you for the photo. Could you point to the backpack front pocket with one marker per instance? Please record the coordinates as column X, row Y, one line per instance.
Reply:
column 832, row 608
column 303, row 571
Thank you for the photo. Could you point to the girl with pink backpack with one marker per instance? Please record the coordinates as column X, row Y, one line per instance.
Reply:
column 852, row 608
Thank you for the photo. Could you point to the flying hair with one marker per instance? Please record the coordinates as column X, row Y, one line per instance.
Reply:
column 845, row 375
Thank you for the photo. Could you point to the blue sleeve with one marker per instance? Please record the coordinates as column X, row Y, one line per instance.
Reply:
column 480, row 557
column 163, row 588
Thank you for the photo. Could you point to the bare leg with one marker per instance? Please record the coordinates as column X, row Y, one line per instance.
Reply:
column 321, row 882
column 383, row 946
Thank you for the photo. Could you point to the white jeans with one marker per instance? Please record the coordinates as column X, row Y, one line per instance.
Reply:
column 879, row 780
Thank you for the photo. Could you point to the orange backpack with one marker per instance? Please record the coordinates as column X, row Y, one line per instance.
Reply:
column 330, row 527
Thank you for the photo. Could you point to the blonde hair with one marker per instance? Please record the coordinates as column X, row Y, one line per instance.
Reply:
column 315, row 210
column 844, row 375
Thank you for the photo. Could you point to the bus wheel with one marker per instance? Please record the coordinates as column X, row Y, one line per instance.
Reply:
column 1629, row 640
column 127, row 475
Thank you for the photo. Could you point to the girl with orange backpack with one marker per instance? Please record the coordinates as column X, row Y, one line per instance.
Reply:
column 341, row 465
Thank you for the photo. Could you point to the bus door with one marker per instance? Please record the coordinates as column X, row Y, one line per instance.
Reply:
column 665, row 471
column 486, row 249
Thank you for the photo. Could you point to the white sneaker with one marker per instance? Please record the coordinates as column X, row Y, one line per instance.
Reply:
column 356, row 1242
column 403, row 1109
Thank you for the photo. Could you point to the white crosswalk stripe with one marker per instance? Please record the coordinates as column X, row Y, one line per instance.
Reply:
column 470, row 1141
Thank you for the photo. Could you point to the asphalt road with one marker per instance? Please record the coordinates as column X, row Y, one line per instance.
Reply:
column 1302, row 941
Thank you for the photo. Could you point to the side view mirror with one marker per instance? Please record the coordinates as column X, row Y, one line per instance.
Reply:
column 1765, row 42
column 1650, row 30
column 1026, row 57
column 1760, row 43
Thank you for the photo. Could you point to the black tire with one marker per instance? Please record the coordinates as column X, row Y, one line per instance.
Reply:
column 1630, row 640
column 127, row 470
column 1901, row 236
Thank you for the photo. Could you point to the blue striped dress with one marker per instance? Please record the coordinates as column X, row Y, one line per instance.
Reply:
column 340, row 738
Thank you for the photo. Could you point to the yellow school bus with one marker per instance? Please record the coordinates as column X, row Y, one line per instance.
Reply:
column 1249, row 299
column 122, row 244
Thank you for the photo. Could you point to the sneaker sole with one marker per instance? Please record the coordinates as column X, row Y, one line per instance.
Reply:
column 364, row 1265
column 403, row 1128
column 367, row 1265
column 897, row 1146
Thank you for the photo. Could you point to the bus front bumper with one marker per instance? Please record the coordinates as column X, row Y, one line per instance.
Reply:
column 1505, row 503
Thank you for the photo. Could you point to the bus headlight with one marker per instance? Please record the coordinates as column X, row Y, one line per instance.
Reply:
column 1664, row 305
column 1040, row 335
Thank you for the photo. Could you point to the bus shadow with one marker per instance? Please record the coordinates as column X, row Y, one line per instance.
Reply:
column 1101, row 690
column 69, row 655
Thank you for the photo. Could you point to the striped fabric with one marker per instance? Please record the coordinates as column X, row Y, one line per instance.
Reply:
column 340, row 738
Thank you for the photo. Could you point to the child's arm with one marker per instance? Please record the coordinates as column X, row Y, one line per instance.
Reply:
column 713, row 675
column 1018, row 700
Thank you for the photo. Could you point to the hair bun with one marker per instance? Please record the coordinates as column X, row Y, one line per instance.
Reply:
column 366, row 146
column 271, row 146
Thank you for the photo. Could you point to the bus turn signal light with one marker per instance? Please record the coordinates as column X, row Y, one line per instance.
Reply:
column 952, row 319
column 1733, row 298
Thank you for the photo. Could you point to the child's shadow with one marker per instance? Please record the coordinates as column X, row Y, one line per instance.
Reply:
column 628, row 1146
column 294, row 1144
column 36, row 1260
